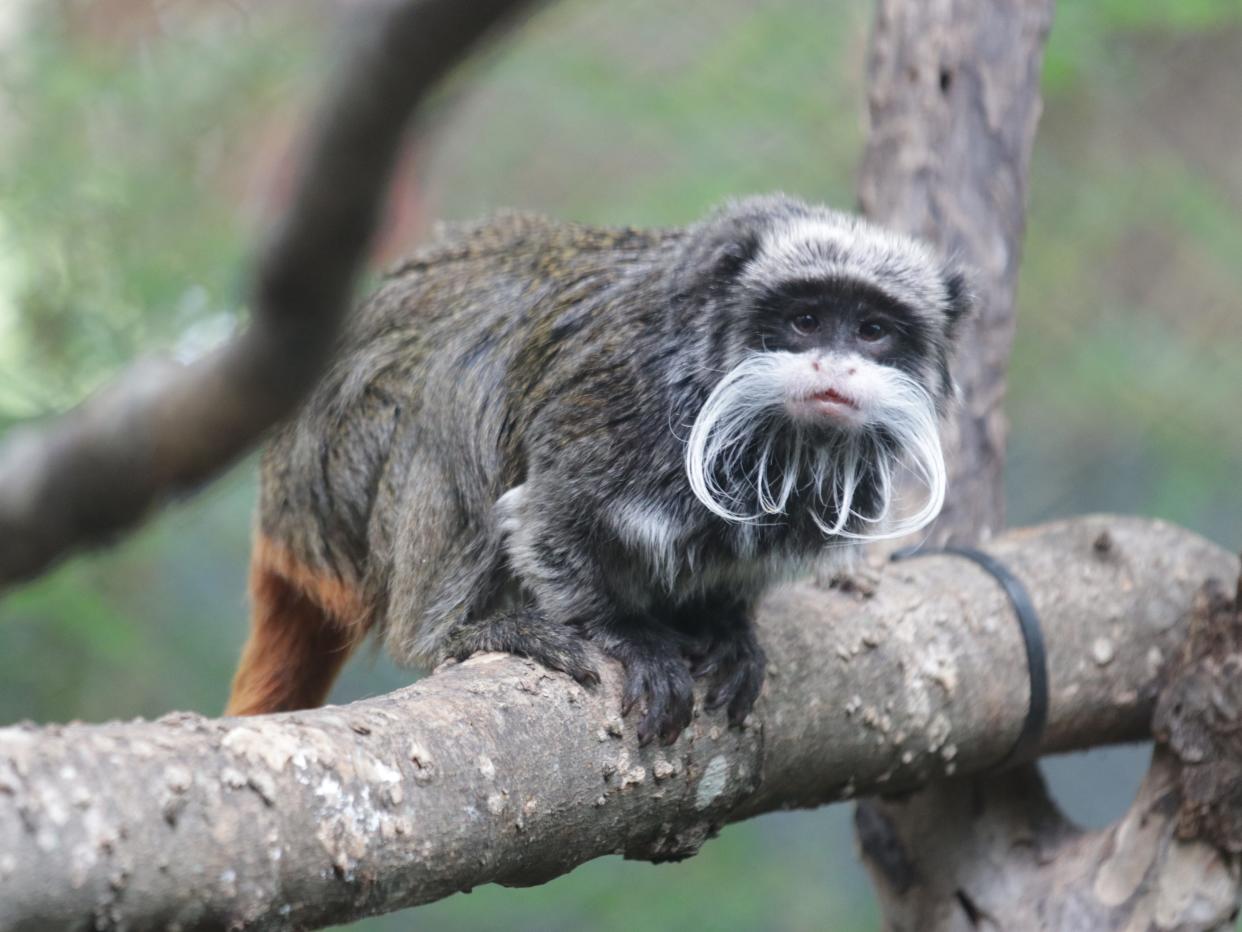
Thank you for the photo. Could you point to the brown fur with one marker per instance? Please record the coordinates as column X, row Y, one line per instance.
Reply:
column 303, row 628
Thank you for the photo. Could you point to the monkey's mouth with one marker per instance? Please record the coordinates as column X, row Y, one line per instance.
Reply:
column 832, row 397
column 831, row 405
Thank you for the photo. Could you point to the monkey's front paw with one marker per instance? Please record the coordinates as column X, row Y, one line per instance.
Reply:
column 734, row 664
column 656, row 674
column 528, row 633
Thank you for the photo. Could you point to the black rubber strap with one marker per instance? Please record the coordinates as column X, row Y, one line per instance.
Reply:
column 1027, row 745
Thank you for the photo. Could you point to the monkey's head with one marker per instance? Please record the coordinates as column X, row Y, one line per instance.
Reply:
column 822, row 343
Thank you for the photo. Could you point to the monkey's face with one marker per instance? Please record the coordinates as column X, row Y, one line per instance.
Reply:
column 835, row 341
column 836, row 366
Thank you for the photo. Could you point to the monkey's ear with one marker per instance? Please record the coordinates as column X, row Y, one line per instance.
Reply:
column 733, row 254
column 961, row 294
column 715, row 259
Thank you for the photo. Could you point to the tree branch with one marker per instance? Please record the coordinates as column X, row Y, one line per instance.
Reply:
column 310, row 818
column 1000, row 854
column 162, row 429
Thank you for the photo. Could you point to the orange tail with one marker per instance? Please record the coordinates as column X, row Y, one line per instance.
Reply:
column 303, row 629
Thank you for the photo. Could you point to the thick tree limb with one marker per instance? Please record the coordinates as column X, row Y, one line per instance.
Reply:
column 162, row 429
column 1007, row 858
column 498, row 771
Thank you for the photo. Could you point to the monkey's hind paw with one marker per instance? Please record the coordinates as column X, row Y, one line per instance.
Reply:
column 734, row 664
column 528, row 633
column 656, row 674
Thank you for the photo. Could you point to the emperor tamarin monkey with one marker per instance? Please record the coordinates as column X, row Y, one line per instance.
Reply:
column 539, row 434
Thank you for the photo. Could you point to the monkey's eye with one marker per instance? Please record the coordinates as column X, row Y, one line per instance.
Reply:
column 805, row 324
column 872, row 330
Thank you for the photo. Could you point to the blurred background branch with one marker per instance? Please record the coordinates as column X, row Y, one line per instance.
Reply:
column 163, row 429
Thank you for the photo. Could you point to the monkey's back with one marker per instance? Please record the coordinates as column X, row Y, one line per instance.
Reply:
column 452, row 354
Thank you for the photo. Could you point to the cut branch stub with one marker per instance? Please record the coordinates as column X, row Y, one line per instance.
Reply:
column 1199, row 720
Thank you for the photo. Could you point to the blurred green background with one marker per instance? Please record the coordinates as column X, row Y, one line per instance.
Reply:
column 143, row 142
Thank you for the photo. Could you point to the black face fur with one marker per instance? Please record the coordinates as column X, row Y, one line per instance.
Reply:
column 839, row 317
column 845, row 287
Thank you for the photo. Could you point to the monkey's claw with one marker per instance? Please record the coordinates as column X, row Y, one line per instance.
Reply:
column 734, row 664
column 667, row 693
column 529, row 633
column 657, row 680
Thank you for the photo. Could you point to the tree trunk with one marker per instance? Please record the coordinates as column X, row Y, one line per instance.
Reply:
column 954, row 93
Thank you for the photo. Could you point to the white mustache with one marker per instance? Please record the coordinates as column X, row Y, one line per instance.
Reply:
column 746, row 411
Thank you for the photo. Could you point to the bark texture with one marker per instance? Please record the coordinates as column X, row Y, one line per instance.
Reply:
column 162, row 429
column 496, row 770
column 1005, row 857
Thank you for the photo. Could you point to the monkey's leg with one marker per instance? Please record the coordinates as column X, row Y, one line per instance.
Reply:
column 296, row 647
column 450, row 581
column 558, row 558
column 528, row 633
column 726, row 653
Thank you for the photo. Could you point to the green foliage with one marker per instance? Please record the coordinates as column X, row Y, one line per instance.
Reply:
column 657, row 114
column 1089, row 37
column 113, row 238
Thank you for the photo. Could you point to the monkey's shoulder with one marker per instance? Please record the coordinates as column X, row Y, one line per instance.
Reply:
column 523, row 237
